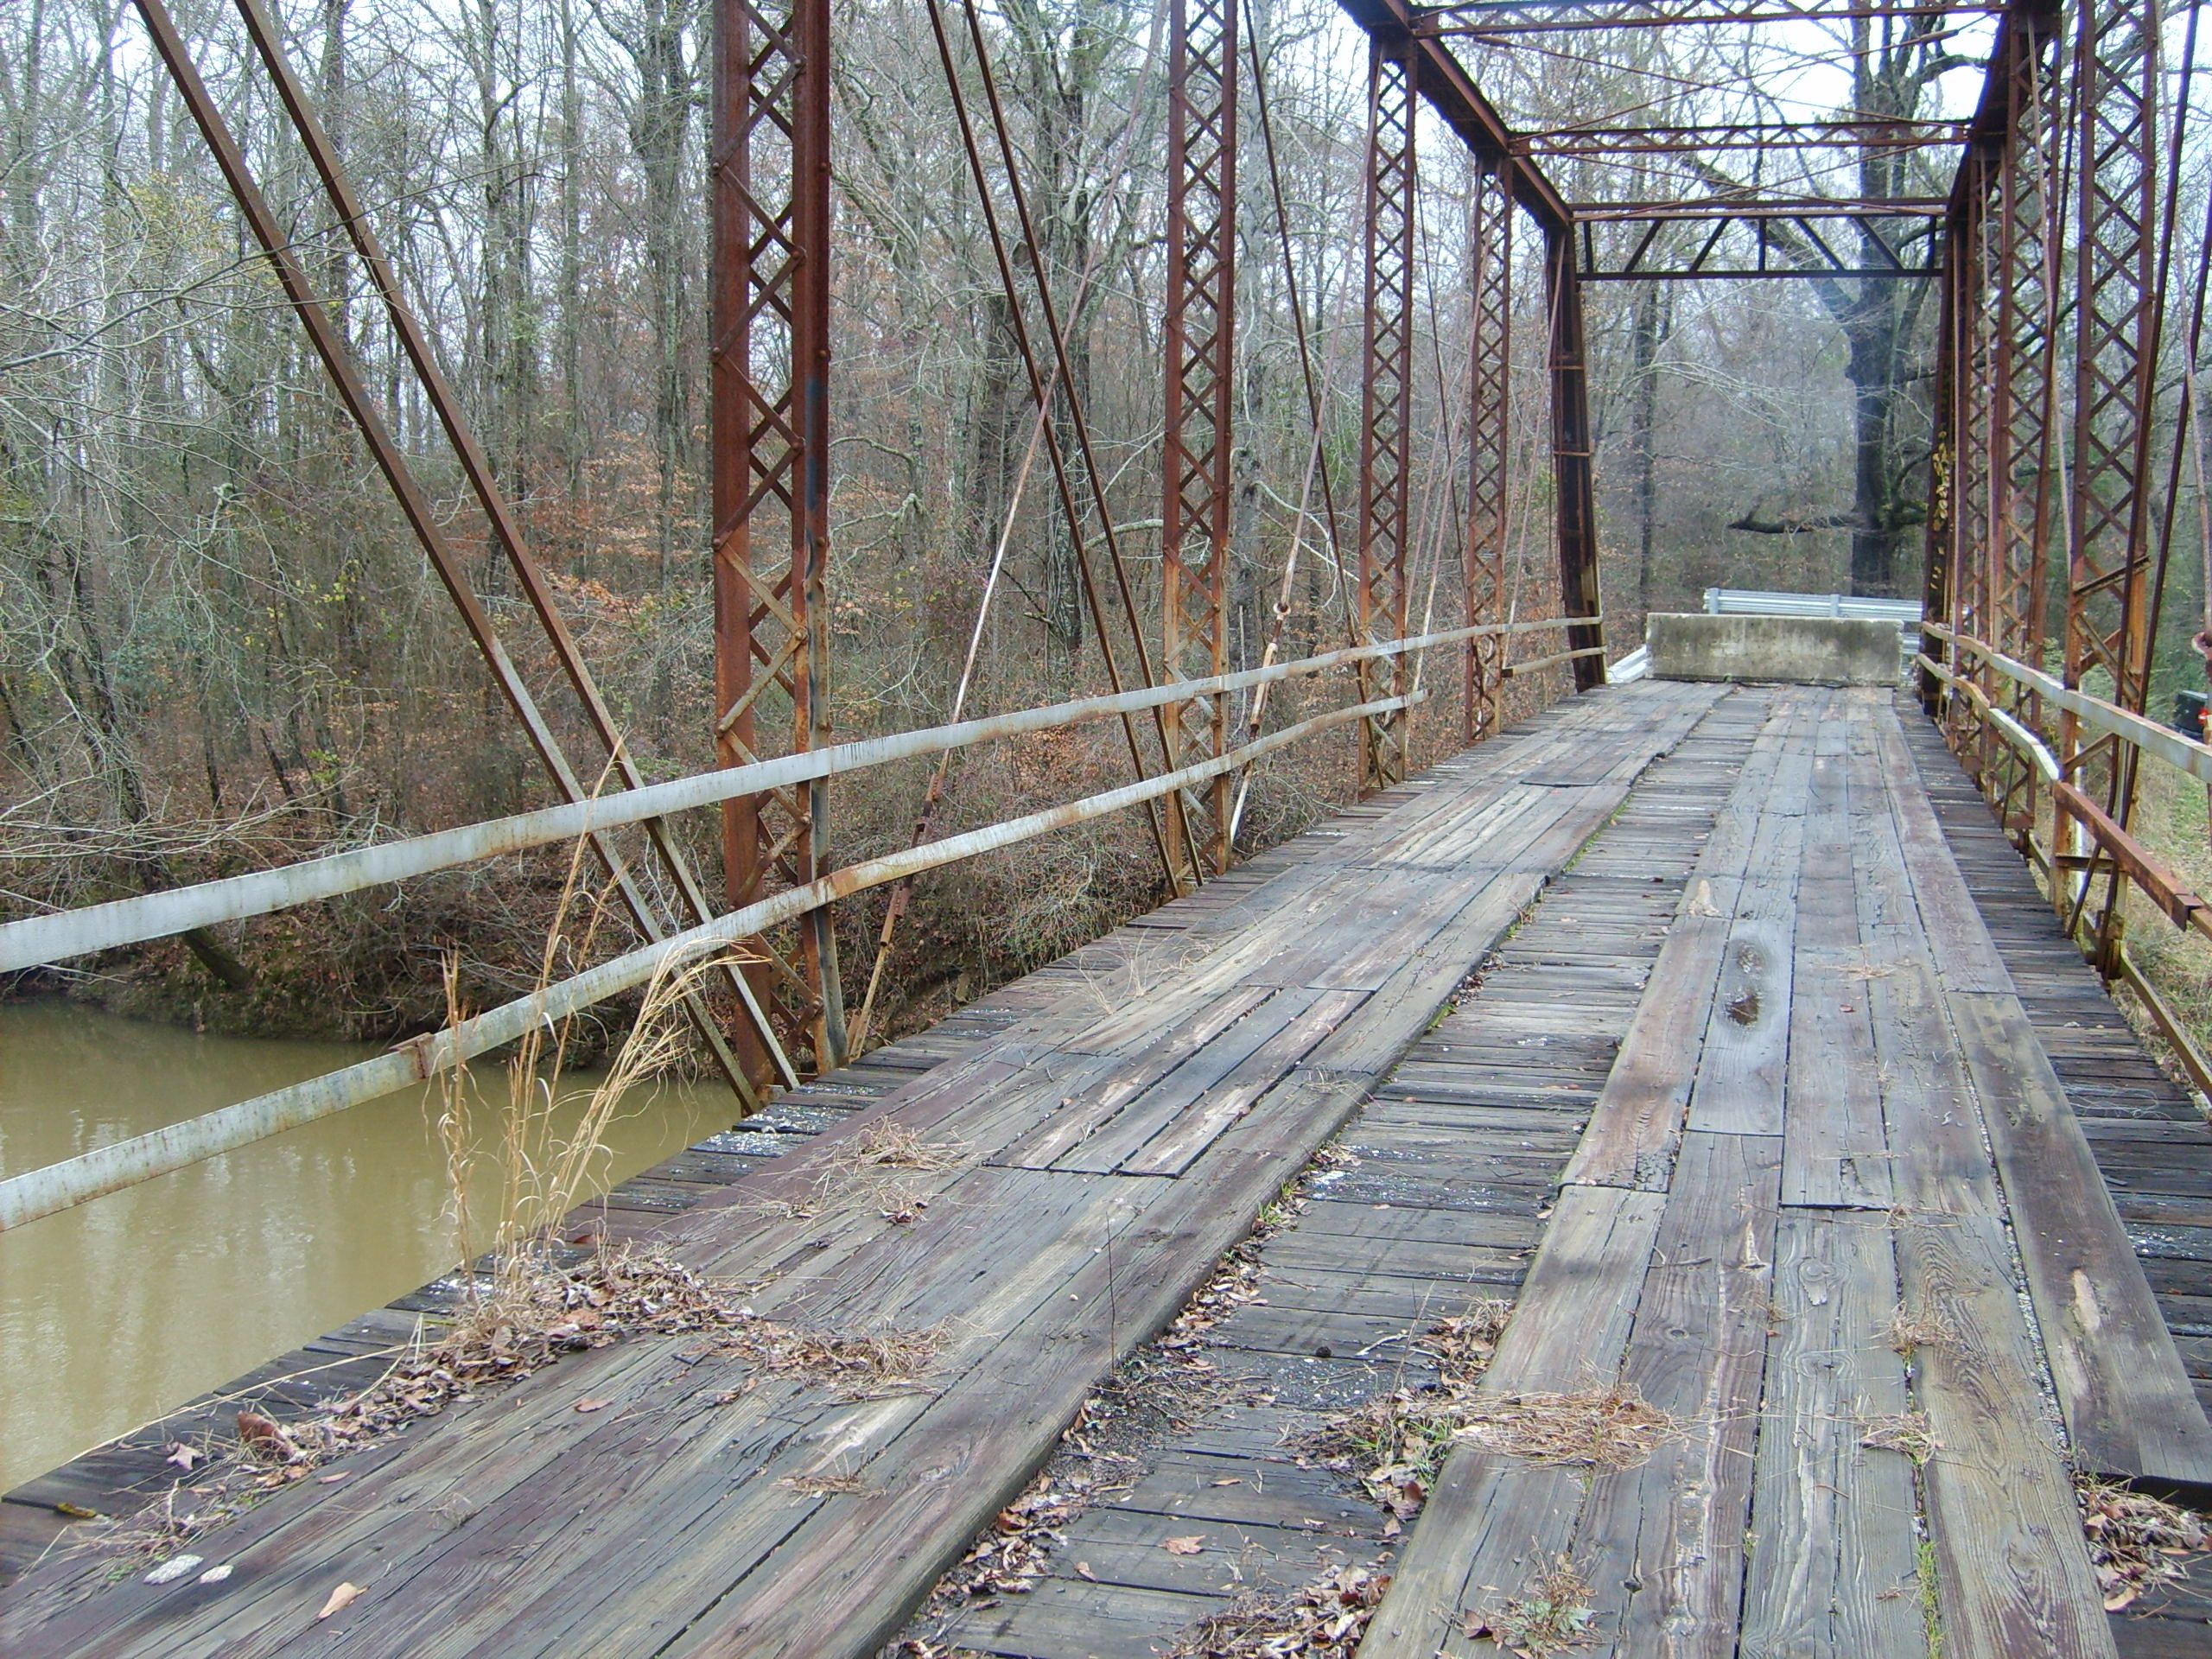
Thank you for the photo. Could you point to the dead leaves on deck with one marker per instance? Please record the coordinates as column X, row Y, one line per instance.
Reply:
column 1393, row 1443
column 519, row 1321
column 1323, row 1619
column 2136, row 1542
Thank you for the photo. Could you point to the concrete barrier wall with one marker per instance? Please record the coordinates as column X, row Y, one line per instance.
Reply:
column 1812, row 650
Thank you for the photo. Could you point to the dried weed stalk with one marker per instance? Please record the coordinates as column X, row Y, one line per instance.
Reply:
column 1908, row 1330
column 1611, row 1428
column 1908, row 1432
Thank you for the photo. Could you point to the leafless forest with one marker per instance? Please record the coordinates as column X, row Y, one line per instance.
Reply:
column 220, row 647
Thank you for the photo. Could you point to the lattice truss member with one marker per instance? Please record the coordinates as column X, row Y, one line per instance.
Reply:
column 1386, row 404
column 769, row 366
column 1489, row 428
column 1200, row 351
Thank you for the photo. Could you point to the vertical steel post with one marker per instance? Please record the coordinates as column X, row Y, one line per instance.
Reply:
column 2107, row 601
column 1489, row 260
column 769, row 375
column 2024, row 278
column 1200, row 360
column 1973, row 473
column 1572, row 470
column 1939, row 578
column 1386, row 396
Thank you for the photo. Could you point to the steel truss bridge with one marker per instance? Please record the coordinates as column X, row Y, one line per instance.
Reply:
column 2058, row 465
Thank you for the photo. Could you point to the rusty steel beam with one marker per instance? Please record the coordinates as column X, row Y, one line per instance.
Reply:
column 1200, row 341
column 1490, row 263
column 1748, row 207
column 1939, row 541
column 2117, row 88
column 2021, row 274
column 1953, row 539
column 1790, row 257
column 1444, row 83
column 1572, row 462
column 1386, row 391
column 1705, row 139
column 768, row 368
column 1502, row 19
column 1973, row 475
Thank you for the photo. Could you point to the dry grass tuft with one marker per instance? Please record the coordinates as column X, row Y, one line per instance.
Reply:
column 1908, row 1432
column 872, row 1170
column 853, row 1367
column 894, row 1146
column 1393, row 1443
column 1908, row 1332
column 2136, row 1542
column 1323, row 1619
column 1607, row 1429
column 1553, row 1615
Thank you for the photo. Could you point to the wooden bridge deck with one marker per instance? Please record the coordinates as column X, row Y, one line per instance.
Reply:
column 1770, row 1061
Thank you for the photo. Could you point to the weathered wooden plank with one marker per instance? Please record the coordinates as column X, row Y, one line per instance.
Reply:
column 1492, row 1521
column 1663, row 1544
column 1638, row 1119
column 2129, row 1408
column 1836, row 1151
column 1085, row 1112
column 1965, row 955
column 1831, row 1570
column 1937, row 1162
column 2012, row 1572
column 1740, row 1067
column 1170, row 1144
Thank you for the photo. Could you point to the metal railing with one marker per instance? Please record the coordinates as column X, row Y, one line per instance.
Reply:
column 43, row 940
column 1753, row 601
column 2077, row 817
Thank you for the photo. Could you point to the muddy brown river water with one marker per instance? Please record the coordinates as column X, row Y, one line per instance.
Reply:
column 113, row 1313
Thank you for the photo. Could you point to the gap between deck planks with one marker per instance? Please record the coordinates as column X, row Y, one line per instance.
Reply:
column 658, row 1524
